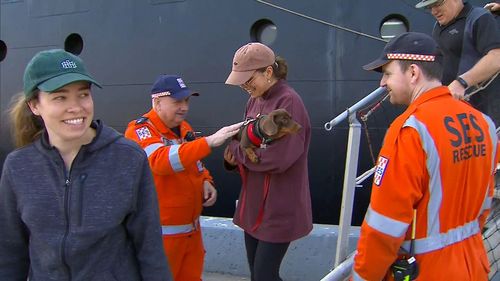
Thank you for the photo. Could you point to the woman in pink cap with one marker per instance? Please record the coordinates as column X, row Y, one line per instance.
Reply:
column 274, row 205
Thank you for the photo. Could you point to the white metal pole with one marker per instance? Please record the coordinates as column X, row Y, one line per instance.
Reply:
column 351, row 167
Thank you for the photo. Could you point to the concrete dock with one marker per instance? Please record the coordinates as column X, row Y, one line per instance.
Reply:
column 210, row 276
column 308, row 259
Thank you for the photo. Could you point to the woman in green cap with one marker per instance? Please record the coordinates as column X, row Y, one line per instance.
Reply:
column 77, row 200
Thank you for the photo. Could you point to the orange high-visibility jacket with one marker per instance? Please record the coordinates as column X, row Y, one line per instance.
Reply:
column 439, row 158
column 176, row 166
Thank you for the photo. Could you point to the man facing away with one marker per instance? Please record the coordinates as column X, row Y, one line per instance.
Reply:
column 469, row 38
column 434, row 173
column 183, row 184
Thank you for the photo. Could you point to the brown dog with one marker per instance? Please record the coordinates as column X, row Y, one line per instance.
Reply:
column 264, row 129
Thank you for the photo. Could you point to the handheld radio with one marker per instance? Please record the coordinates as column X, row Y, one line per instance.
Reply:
column 405, row 268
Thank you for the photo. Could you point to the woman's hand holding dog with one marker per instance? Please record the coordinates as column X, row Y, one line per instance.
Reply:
column 229, row 157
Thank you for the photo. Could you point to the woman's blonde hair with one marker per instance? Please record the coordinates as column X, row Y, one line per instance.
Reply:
column 26, row 126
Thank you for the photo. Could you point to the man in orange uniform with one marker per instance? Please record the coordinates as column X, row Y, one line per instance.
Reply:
column 438, row 158
column 182, row 182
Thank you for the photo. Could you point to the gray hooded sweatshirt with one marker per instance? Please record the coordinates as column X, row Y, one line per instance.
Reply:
column 99, row 221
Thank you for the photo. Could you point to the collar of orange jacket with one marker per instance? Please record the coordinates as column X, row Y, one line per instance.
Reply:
column 156, row 120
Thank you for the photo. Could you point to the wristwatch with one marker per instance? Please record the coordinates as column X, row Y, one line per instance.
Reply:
column 462, row 82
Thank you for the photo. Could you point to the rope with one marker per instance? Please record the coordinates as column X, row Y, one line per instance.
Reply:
column 480, row 86
column 321, row 21
column 368, row 139
column 364, row 118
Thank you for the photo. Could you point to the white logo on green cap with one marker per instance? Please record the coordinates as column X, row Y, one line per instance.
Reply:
column 68, row 64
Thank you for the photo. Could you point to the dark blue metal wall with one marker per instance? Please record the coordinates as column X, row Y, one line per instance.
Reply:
column 127, row 43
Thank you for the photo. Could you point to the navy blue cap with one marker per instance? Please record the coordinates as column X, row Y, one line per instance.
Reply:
column 407, row 46
column 171, row 86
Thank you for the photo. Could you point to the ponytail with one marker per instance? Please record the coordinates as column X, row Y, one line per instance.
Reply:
column 26, row 127
column 280, row 68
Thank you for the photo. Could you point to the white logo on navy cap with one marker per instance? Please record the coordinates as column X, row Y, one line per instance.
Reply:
column 68, row 64
column 181, row 83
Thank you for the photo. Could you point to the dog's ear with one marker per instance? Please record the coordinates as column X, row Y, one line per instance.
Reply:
column 269, row 126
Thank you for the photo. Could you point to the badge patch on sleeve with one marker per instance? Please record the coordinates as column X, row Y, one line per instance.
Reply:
column 380, row 170
column 143, row 133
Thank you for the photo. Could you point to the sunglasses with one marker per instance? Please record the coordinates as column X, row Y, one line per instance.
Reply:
column 249, row 81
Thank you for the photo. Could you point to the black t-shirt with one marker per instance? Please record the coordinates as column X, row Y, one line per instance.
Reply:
column 176, row 130
column 486, row 34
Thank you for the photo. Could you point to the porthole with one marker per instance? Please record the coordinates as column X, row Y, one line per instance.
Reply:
column 392, row 26
column 264, row 31
column 73, row 44
column 3, row 50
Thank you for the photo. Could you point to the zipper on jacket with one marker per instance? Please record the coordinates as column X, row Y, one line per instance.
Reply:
column 79, row 207
column 67, row 211
column 67, row 186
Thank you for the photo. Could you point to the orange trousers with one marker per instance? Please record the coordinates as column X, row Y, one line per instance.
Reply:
column 185, row 255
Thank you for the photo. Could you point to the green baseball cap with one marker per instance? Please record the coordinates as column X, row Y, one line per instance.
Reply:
column 53, row 69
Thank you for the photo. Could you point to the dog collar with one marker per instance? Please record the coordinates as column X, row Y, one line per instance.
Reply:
column 251, row 132
column 255, row 135
column 265, row 138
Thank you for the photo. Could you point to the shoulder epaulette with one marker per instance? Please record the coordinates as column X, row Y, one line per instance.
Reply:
column 141, row 120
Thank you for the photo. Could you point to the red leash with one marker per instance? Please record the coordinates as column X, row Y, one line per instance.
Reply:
column 267, row 184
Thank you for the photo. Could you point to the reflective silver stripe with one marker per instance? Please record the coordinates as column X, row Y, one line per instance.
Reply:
column 442, row 240
column 487, row 202
column 175, row 160
column 385, row 224
column 176, row 229
column 494, row 140
column 356, row 277
column 150, row 149
column 433, row 162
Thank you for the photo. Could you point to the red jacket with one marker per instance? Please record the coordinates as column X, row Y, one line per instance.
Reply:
column 439, row 158
column 177, row 169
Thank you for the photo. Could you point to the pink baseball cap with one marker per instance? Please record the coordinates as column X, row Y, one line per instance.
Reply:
column 247, row 59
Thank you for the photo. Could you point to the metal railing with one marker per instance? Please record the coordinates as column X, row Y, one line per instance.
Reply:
column 342, row 271
column 350, row 181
